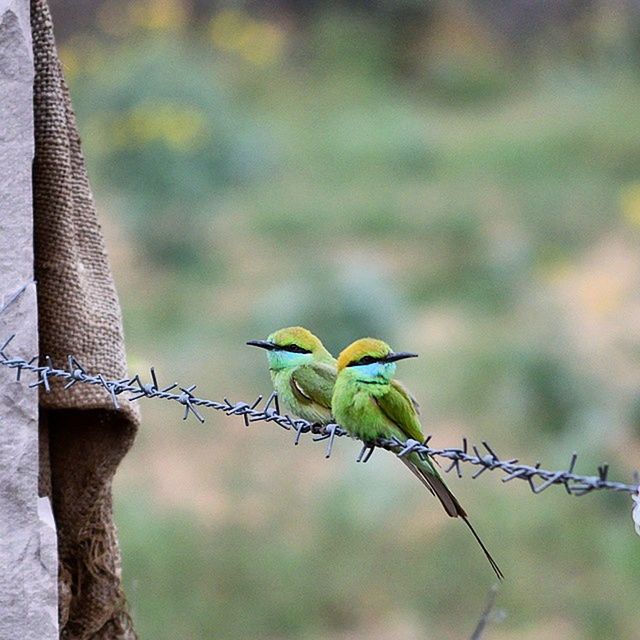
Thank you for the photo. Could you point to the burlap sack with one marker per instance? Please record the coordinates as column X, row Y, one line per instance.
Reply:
column 83, row 438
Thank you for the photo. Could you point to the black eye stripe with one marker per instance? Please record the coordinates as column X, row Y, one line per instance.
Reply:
column 363, row 360
column 293, row 348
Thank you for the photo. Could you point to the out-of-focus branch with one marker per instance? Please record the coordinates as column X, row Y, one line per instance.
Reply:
column 487, row 615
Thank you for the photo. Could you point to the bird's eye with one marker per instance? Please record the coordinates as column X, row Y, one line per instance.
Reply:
column 363, row 360
column 294, row 348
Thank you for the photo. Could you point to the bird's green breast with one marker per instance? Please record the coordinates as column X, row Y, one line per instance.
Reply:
column 355, row 409
column 281, row 379
column 302, row 403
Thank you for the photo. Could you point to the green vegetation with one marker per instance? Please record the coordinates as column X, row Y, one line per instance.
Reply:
column 482, row 210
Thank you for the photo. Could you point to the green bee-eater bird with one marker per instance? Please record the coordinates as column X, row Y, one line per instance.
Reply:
column 303, row 372
column 369, row 404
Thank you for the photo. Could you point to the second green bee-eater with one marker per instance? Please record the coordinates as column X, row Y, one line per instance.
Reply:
column 303, row 372
column 369, row 404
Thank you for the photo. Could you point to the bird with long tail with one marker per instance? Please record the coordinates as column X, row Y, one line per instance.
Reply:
column 370, row 404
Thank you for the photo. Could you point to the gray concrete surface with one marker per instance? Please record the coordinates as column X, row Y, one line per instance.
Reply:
column 28, row 555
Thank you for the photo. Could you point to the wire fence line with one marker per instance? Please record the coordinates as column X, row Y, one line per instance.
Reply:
column 484, row 458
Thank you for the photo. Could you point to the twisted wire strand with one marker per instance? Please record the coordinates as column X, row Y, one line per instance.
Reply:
column 485, row 458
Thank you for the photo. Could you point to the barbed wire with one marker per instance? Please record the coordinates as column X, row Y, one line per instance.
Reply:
column 485, row 458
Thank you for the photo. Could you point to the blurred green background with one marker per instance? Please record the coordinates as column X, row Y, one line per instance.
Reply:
column 459, row 178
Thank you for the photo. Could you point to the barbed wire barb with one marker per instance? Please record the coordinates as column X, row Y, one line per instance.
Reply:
column 135, row 388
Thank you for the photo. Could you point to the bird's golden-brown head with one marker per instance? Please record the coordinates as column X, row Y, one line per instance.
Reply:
column 367, row 351
column 292, row 347
column 296, row 337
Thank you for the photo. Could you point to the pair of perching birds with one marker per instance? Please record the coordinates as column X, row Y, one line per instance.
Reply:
column 359, row 392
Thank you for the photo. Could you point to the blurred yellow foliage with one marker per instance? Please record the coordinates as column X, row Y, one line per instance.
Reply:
column 118, row 19
column 157, row 15
column 83, row 55
column 257, row 41
column 630, row 203
column 180, row 127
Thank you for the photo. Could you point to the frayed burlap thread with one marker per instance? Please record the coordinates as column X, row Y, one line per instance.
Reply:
column 79, row 314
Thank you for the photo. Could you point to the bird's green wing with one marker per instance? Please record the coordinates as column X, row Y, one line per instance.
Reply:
column 314, row 383
column 400, row 387
column 398, row 406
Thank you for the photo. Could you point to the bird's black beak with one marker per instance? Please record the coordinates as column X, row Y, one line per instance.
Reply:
column 400, row 355
column 263, row 344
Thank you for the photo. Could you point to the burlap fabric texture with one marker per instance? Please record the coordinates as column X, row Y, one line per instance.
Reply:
column 83, row 438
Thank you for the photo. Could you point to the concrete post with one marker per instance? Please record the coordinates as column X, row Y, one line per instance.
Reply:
column 28, row 554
